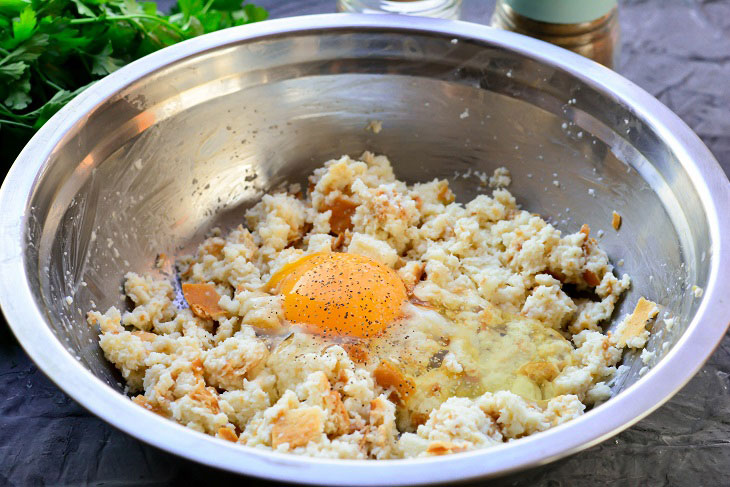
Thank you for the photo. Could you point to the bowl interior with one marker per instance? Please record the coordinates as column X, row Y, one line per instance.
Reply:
column 190, row 147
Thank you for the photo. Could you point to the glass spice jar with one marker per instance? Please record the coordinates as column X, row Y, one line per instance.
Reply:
column 587, row 27
column 444, row 9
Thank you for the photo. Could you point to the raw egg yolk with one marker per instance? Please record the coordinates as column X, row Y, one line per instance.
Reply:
column 340, row 294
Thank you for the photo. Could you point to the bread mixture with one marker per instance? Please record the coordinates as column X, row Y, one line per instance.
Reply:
column 371, row 319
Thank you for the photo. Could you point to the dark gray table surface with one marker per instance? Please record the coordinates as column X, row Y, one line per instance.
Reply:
column 677, row 50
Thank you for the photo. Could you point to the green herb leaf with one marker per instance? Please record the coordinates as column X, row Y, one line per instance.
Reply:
column 12, row 6
column 83, row 9
column 53, row 105
column 104, row 63
column 29, row 51
column 150, row 8
column 255, row 13
column 211, row 21
column 19, row 94
column 13, row 70
column 17, row 100
column 190, row 7
column 51, row 50
column 24, row 26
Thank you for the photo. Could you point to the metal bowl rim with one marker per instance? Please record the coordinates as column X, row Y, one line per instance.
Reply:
column 664, row 380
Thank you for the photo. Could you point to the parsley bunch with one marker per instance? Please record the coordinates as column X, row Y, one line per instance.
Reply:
column 51, row 50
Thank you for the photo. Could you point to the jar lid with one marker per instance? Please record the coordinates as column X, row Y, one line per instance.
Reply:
column 562, row 11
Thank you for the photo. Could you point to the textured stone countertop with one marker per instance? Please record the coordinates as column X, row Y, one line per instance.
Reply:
column 678, row 50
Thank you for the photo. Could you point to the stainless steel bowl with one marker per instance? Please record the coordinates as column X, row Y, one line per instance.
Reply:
column 151, row 157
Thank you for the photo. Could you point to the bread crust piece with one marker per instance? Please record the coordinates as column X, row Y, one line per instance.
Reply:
column 296, row 427
column 389, row 376
column 615, row 221
column 203, row 300
column 228, row 434
column 631, row 332
column 444, row 448
column 142, row 401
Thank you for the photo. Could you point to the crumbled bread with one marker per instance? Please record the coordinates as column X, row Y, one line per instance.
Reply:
column 501, row 178
column 697, row 291
column 540, row 371
column 389, row 376
column 615, row 221
column 631, row 332
column 375, row 126
column 485, row 285
column 443, row 448
column 203, row 300
column 296, row 427
column 227, row 434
